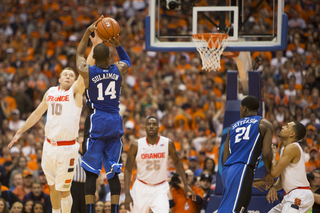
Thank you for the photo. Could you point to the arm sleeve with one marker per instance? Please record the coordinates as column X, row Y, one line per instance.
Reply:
column 199, row 200
column 171, row 203
column 123, row 56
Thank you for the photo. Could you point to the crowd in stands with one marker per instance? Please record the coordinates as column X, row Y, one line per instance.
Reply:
column 39, row 38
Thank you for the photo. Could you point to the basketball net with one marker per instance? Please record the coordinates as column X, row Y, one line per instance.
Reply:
column 210, row 46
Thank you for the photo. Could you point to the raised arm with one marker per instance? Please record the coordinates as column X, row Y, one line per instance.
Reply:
column 32, row 119
column 128, row 173
column 79, row 84
column 125, row 63
column 178, row 164
column 82, row 65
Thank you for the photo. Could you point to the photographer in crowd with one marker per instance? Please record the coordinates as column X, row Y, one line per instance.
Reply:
column 314, row 180
column 180, row 203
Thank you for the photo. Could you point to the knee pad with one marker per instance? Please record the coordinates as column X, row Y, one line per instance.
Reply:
column 90, row 183
column 114, row 185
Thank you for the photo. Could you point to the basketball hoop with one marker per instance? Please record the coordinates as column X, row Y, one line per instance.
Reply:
column 210, row 46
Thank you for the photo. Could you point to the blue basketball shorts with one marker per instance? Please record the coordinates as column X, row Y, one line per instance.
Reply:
column 103, row 144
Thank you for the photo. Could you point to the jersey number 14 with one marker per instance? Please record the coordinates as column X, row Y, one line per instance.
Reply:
column 111, row 90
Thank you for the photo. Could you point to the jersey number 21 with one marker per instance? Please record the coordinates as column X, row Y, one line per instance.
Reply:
column 243, row 133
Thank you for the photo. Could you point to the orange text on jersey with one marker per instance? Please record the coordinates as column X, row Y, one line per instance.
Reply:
column 153, row 155
column 59, row 98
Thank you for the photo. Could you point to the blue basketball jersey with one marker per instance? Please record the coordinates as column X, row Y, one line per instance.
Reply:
column 245, row 142
column 104, row 88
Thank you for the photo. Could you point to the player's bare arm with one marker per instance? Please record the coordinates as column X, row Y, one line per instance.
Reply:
column 32, row 119
column 316, row 198
column 128, row 172
column 95, row 41
column 266, row 130
column 78, row 90
column 291, row 154
column 226, row 148
column 81, row 63
column 272, row 194
column 178, row 164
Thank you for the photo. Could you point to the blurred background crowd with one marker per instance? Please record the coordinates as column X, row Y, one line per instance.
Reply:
column 39, row 38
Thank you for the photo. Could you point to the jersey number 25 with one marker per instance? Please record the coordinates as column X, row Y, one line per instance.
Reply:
column 111, row 90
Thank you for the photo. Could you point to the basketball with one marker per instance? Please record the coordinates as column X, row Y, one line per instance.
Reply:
column 108, row 28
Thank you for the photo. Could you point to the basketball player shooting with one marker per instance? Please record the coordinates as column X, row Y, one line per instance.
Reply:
column 60, row 150
column 104, row 128
column 151, row 187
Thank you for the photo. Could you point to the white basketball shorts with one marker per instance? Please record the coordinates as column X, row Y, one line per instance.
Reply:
column 298, row 200
column 145, row 196
column 58, row 164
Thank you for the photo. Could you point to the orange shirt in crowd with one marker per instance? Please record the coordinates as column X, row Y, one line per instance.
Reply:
column 310, row 166
column 184, row 205
column 20, row 192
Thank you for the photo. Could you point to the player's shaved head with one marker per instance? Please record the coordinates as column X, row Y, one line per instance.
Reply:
column 150, row 117
column 251, row 102
column 101, row 52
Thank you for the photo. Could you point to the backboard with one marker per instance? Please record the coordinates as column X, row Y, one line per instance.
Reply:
column 252, row 25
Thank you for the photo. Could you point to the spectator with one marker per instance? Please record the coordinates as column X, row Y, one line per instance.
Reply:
column 38, row 195
column 23, row 101
column 313, row 162
column 296, row 21
column 205, row 184
column 99, row 207
column 209, row 167
column 278, row 61
column 16, row 207
column 27, row 207
column 30, row 149
column 26, row 187
column 183, row 204
column 211, row 149
column 3, row 206
column 16, row 123
column 10, row 102
column 43, row 180
column 20, row 167
column 9, row 197
column 13, row 163
column 39, row 207
column 107, row 207
column 122, row 208
column 17, row 180
column 194, row 166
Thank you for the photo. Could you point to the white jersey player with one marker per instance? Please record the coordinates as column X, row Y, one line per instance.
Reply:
column 150, row 190
column 291, row 169
column 60, row 150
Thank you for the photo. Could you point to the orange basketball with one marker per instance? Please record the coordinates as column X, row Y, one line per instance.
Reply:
column 108, row 28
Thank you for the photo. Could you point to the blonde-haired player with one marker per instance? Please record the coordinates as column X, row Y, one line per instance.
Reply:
column 60, row 151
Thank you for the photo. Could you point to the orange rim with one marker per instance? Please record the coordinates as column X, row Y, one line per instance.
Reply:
column 213, row 36
column 213, row 39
